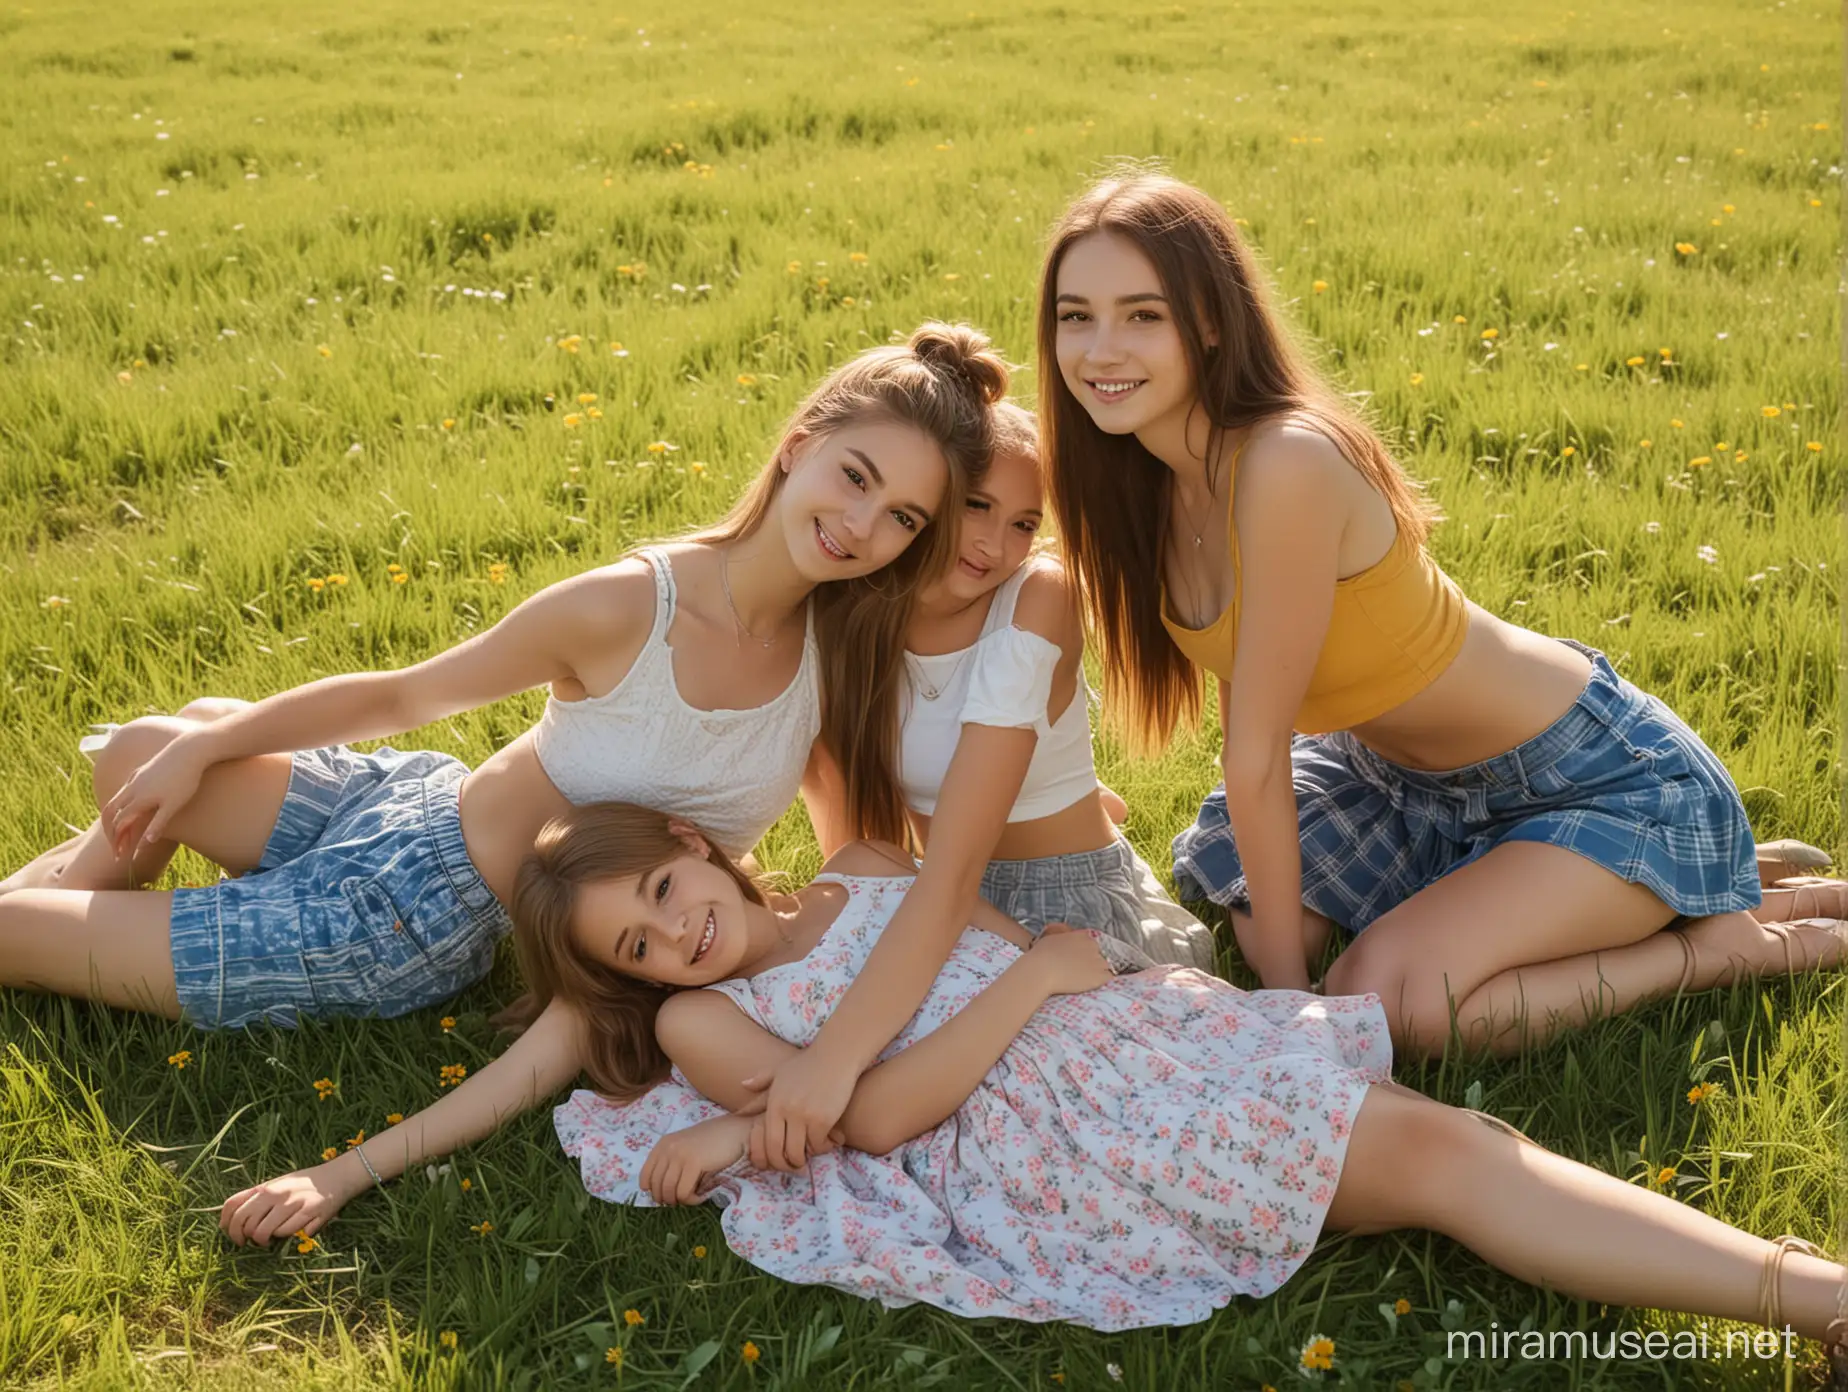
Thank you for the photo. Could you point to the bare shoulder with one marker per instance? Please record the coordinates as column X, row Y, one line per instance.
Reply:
column 1289, row 454
column 871, row 859
column 612, row 602
column 1048, row 603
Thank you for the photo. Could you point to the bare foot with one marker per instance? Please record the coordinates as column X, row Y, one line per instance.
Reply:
column 1726, row 947
column 1778, row 860
column 41, row 872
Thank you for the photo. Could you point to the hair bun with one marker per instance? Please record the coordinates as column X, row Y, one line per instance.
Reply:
column 966, row 351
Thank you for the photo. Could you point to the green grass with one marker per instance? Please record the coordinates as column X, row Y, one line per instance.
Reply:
column 240, row 188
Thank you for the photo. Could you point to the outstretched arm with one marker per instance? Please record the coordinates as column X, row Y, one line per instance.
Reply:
column 550, row 1054
column 548, row 638
column 810, row 1093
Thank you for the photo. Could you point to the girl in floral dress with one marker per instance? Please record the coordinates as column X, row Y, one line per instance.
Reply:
column 1044, row 1140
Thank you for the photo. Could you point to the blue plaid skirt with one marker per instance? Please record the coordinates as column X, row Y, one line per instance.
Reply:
column 1619, row 779
column 365, row 901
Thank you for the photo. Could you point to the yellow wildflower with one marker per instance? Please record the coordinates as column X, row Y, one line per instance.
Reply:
column 1700, row 1092
column 452, row 1073
column 324, row 350
column 573, row 421
column 1568, row 451
column 587, row 398
column 749, row 1352
column 700, row 1252
column 594, row 412
column 661, row 447
column 1318, row 1353
column 1815, row 202
column 329, row 1154
column 745, row 379
column 1699, row 460
column 952, row 275
column 448, row 1022
column 324, row 1088
column 481, row 1229
column 1665, row 1176
column 1491, row 333
column 392, row 567
column 1633, row 362
column 848, row 301
column 613, row 1357
column 447, row 1338
column 1460, row 319
column 857, row 257
column 359, row 1140
column 1769, row 412
column 1721, row 446
column 633, row 1318
column 1417, row 379
column 304, row 1243
column 1814, row 447
column 1319, row 286
column 795, row 268
column 1676, row 424
column 400, row 579
column 467, row 1185
column 1402, row 1307
column 1645, row 444
column 181, row 1059
column 449, row 422
column 393, row 1118
column 1666, row 353
column 1686, row 248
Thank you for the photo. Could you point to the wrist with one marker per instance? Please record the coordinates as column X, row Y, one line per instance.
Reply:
column 347, row 1174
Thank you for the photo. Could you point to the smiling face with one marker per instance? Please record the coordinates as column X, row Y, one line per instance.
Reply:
column 999, row 522
column 1119, row 350
column 857, row 496
column 684, row 923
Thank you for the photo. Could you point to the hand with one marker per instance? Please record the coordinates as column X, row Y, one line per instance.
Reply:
column 808, row 1094
column 154, row 794
column 1067, row 960
column 680, row 1163
column 303, row 1201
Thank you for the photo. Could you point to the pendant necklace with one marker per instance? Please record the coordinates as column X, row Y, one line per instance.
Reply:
column 730, row 603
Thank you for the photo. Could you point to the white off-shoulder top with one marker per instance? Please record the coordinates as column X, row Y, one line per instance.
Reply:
column 1004, row 679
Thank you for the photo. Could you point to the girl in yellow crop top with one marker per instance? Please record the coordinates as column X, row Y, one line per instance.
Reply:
column 1223, row 509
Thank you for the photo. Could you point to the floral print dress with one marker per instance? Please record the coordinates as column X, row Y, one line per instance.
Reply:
column 1142, row 1152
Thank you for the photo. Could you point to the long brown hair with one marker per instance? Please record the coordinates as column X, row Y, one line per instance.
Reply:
column 1110, row 495
column 943, row 381
column 597, row 841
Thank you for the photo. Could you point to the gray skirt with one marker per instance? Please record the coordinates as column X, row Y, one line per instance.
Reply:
column 1110, row 889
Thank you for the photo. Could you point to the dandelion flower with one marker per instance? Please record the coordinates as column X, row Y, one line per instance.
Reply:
column 795, row 268
column 613, row 1357
column 1770, row 412
column 330, row 1154
column 745, row 379
column 661, row 447
column 1665, row 1176
column 857, row 257
column 316, row 584
column 1318, row 1354
column 1687, row 248
column 447, row 1338
column 749, row 1352
column 392, row 568
column 1319, row 286
column 393, row 1118
column 1815, row 202
column 633, row 1318
column 448, row 1022
column 1418, row 379
column 699, row 1253
column 573, row 421
column 1814, row 447
column 1634, row 362
column 1402, row 1307
column 324, row 350
column 400, row 579
column 181, row 1059
column 1700, row 461
column 1491, row 333
column 1722, row 446
column 1676, row 424
column 1460, row 319
column 1568, row 451
column 449, row 422
column 1666, row 353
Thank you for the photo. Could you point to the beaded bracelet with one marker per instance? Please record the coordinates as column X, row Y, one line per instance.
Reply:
column 360, row 1151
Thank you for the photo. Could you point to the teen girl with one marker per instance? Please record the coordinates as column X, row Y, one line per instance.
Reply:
column 996, row 640
column 1505, row 824
column 1043, row 1141
column 696, row 675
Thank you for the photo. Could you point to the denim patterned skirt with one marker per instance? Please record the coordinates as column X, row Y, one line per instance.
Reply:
column 1619, row 779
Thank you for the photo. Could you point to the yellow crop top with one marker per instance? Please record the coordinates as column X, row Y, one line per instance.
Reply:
column 1394, row 629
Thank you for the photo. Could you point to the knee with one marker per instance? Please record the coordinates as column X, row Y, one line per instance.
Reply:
column 129, row 748
column 1417, row 996
column 1437, row 1153
column 209, row 708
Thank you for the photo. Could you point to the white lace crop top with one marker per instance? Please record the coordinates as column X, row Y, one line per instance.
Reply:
column 1004, row 679
column 730, row 772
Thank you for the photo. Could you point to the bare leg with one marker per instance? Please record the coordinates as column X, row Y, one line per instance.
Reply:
column 108, row 947
column 97, row 867
column 228, row 820
column 1412, row 1162
column 1522, row 904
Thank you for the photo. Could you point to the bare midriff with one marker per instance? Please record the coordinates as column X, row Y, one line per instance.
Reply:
column 1084, row 826
column 504, row 803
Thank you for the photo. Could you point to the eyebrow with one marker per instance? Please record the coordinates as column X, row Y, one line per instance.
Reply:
column 1146, row 297
column 879, row 479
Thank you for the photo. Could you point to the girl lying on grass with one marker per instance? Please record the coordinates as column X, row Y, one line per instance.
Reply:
column 696, row 676
column 1044, row 1140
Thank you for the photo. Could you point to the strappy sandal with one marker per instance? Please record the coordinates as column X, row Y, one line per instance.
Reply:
column 1795, row 961
column 1779, row 860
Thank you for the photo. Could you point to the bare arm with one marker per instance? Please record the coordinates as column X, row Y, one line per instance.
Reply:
column 824, row 793
column 548, row 638
column 537, row 1064
column 1289, row 537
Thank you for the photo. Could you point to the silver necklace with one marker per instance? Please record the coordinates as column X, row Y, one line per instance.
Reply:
column 925, row 689
column 730, row 603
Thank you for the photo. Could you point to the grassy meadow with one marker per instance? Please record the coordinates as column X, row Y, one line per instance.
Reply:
column 331, row 332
